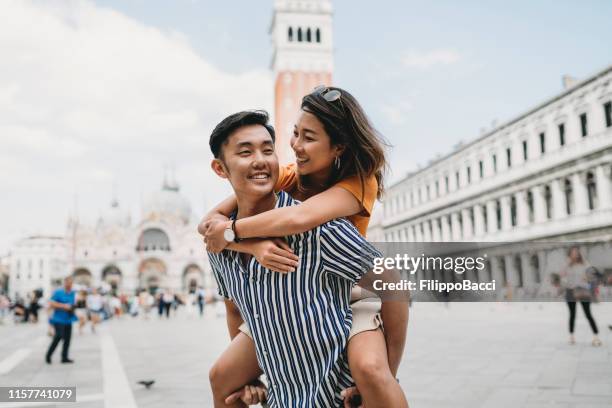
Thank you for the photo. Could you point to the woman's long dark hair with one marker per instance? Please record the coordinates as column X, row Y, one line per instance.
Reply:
column 347, row 124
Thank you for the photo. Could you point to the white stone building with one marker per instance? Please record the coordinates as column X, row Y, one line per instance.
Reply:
column 161, row 250
column 544, row 175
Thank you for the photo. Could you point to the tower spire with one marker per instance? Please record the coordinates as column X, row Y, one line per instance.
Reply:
column 302, row 59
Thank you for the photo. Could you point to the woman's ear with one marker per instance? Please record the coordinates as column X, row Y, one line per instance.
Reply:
column 219, row 168
column 340, row 149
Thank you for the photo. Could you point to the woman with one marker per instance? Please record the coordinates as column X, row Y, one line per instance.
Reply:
column 339, row 170
column 95, row 307
column 80, row 309
column 575, row 279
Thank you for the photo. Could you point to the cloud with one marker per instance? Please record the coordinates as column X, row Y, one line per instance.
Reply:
column 397, row 114
column 429, row 59
column 89, row 96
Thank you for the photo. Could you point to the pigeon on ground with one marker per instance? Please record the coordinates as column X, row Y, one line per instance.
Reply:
column 147, row 383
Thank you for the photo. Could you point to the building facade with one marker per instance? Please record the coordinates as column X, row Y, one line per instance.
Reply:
column 161, row 250
column 545, row 175
column 302, row 59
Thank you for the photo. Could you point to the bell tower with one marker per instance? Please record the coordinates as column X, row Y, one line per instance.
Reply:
column 303, row 58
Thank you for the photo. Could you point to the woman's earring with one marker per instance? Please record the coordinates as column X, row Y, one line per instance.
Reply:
column 337, row 162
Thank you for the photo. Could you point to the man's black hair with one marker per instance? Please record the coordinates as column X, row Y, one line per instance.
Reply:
column 229, row 125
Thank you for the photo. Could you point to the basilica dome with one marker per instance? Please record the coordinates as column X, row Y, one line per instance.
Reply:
column 167, row 204
column 115, row 217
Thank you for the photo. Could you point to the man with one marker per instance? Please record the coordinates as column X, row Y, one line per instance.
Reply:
column 299, row 321
column 62, row 302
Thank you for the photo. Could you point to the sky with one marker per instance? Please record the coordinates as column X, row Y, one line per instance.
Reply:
column 97, row 98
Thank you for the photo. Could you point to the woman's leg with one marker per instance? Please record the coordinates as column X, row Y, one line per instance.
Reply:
column 586, row 306
column 234, row 369
column 572, row 316
column 367, row 355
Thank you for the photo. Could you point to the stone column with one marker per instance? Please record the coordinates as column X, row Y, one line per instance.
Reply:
column 427, row 231
column 511, row 271
column 411, row 237
column 446, row 233
column 558, row 200
column 604, row 185
column 505, row 212
column 491, row 217
column 456, row 232
column 522, row 209
column 437, row 234
column 581, row 195
column 539, row 204
column 417, row 232
column 468, row 228
column 479, row 227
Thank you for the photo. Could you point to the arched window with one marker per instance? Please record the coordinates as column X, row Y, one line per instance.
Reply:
column 300, row 34
column 318, row 35
column 569, row 196
column 591, row 190
column 535, row 267
column 530, row 211
column 153, row 239
column 489, row 271
column 472, row 217
column 308, row 35
column 548, row 200
column 502, row 268
column 498, row 212
column 290, row 34
column 518, row 266
column 485, row 219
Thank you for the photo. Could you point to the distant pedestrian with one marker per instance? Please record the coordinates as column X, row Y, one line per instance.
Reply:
column 4, row 307
column 80, row 309
column 34, row 306
column 95, row 308
column 62, row 302
column 146, row 301
column 576, row 280
column 168, row 299
column 201, row 299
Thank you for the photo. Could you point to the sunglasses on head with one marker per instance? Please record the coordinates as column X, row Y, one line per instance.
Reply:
column 330, row 95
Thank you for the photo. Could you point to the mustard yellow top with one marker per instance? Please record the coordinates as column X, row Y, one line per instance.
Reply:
column 287, row 181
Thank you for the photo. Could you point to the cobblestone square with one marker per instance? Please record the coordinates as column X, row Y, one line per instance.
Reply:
column 488, row 355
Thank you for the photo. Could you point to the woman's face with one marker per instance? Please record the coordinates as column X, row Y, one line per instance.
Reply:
column 312, row 146
column 575, row 254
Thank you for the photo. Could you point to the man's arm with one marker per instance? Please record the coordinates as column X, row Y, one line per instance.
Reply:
column 233, row 317
column 57, row 305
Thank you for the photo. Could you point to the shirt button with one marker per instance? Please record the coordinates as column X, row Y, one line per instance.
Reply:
column 256, row 316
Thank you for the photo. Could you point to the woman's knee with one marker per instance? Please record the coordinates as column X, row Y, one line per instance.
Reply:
column 218, row 377
column 370, row 367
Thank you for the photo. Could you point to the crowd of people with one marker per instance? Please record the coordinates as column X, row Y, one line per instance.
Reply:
column 94, row 305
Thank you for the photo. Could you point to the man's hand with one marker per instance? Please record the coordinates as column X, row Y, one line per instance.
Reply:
column 352, row 398
column 215, row 242
column 251, row 394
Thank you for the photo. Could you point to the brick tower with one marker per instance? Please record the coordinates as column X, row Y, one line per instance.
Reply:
column 301, row 33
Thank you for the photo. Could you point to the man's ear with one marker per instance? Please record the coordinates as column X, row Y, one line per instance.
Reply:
column 219, row 168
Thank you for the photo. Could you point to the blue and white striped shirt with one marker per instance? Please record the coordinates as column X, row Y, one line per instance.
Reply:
column 300, row 321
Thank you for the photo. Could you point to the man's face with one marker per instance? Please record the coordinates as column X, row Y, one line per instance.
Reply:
column 68, row 284
column 248, row 161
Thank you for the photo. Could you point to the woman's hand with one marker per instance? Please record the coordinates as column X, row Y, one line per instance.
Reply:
column 215, row 242
column 274, row 254
column 252, row 394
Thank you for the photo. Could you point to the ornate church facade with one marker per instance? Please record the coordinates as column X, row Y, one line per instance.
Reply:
column 160, row 250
